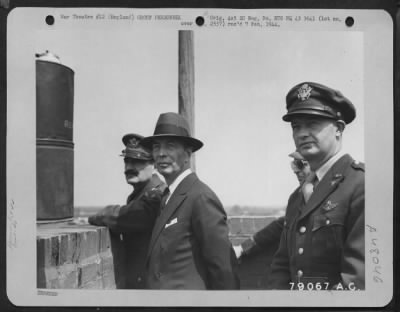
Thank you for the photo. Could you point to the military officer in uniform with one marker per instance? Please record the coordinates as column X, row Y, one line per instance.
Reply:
column 269, row 236
column 131, row 224
column 322, row 243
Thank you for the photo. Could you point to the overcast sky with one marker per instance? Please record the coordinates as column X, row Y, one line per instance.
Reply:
column 125, row 79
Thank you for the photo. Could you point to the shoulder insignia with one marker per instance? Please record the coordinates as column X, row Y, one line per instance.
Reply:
column 358, row 165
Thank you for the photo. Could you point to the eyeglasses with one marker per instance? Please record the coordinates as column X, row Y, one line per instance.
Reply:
column 300, row 164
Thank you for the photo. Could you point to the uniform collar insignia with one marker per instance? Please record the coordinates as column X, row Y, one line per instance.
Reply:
column 329, row 206
column 304, row 92
column 336, row 179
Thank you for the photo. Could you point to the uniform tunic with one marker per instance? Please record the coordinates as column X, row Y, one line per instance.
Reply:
column 130, row 232
column 322, row 243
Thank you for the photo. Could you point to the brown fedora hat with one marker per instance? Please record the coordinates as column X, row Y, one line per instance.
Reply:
column 173, row 125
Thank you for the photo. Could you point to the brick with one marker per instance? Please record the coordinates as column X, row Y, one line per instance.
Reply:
column 109, row 281
column 47, row 278
column 107, row 273
column 105, row 243
column 106, row 261
column 68, row 276
column 55, row 250
column 41, row 280
column 89, row 271
column 68, row 248
column 41, row 252
column 88, row 244
column 47, row 251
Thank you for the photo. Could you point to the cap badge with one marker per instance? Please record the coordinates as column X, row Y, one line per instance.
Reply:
column 133, row 142
column 304, row 92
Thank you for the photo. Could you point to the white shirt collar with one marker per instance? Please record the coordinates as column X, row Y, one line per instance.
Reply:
column 326, row 166
column 176, row 182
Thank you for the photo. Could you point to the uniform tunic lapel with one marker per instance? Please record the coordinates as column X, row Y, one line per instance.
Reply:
column 327, row 185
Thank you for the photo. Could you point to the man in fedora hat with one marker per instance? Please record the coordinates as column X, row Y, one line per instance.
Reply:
column 268, row 237
column 131, row 224
column 189, row 247
column 322, row 243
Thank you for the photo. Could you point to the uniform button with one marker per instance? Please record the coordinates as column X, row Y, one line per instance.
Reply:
column 301, row 250
column 328, row 221
column 299, row 273
column 302, row 229
column 139, row 279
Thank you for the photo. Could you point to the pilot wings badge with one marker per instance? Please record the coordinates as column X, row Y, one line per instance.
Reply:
column 329, row 205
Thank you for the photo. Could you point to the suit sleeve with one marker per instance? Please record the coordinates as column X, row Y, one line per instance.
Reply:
column 137, row 216
column 265, row 239
column 211, row 230
column 280, row 271
column 269, row 235
column 280, row 267
column 353, row 262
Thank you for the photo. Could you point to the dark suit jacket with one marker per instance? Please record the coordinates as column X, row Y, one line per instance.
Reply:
column 189, row 247
column 130, row 232
column 323, row 240
column 265, row 239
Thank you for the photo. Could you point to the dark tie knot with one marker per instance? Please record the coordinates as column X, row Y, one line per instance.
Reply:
column 164, row 198
column 166, row 192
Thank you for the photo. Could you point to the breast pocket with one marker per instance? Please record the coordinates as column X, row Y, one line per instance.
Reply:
column 172, row 239
column 327, row 237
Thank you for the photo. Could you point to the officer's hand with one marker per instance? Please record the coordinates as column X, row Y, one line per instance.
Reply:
column 105, row 215
column 94, row 220
column 238, row 251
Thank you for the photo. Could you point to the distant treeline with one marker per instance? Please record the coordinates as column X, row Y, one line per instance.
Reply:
column 235, row 210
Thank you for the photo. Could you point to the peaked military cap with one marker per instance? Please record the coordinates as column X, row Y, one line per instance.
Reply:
column 173, row 125
column 310, row 98
column 134, row 149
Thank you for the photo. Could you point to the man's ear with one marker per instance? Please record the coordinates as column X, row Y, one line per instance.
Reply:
column 340, row 124
column 188, row 149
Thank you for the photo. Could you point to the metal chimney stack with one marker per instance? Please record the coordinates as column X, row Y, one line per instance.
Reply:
column 54, row 140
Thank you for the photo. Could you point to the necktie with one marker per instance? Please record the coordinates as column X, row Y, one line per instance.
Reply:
column 308, row 186
column 164, row 198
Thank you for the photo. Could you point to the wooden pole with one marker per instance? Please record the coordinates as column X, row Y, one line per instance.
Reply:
column 186, row 80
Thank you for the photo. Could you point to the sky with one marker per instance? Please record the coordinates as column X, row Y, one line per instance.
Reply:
column 241, row 85
column 125, row 79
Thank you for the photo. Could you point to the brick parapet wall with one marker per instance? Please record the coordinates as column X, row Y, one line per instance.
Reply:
column 73, row 256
